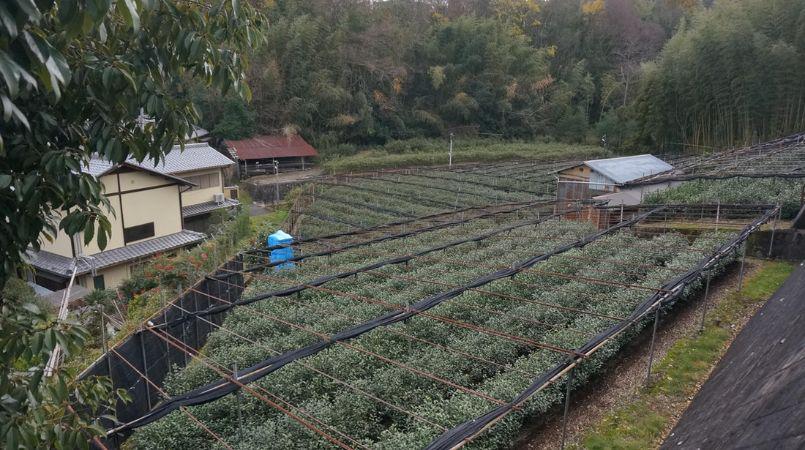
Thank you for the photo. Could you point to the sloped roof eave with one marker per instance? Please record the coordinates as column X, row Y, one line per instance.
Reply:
column 62, row 265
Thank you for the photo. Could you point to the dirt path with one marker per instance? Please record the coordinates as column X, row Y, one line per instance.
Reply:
column 626, row 374
column 286, row 177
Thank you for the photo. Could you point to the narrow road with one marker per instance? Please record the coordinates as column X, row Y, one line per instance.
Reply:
column 755, row 397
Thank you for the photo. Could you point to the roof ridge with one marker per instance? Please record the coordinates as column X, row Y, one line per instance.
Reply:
column 623, row 157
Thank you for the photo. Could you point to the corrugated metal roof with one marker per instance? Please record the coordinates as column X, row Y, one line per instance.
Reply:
column 62, row 265
column 628, row 168
column 267, row 147
column 203, row 208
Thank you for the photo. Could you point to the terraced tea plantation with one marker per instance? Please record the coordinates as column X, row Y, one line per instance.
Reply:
column 783, row 191
column 431, row 309
column 363, row 201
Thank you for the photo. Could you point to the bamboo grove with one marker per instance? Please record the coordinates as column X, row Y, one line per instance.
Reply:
column 633, row 74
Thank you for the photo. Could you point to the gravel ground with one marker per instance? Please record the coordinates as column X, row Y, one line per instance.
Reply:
column 285, row 177
column 624, row 376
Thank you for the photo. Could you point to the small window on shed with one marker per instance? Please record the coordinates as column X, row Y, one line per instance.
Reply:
column 138, row 232
column 98, row 282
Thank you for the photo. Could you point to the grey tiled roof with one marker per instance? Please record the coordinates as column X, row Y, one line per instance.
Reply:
column 62, row 265
column 98, row 167
column 194, row 157
column 628, row 168
column 203, row 208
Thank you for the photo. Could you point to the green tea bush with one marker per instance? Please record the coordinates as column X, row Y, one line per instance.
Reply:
column 744, row 191
column 621, row 256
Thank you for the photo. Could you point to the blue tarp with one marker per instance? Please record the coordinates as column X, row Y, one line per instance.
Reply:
column 281, row 238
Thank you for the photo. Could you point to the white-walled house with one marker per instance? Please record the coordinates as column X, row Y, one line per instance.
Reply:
column 156, row 208
column 146, row 219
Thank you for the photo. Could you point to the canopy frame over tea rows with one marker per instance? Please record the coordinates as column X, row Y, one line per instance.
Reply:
column 780, row 158
column 487, row 289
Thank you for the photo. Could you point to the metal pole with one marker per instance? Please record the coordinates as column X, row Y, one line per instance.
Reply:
column 145, row 371
column 450, row 153
column 103, row 330
column 276, row 182
column 237, row 401
column 567, row 406
column 773, row 229
column 741, row 271
column 184, row 325
column 651, row 347
column 195, row 321
column 704, row 305
column 165, row 320
column 718, row 213
column 105, row 346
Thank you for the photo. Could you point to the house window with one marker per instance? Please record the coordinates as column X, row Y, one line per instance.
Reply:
column 205, row 181
column 98, row 282
column 138, row 232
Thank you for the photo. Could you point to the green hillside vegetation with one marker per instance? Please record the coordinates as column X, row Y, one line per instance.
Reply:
column 420, row 152
column 645, row 75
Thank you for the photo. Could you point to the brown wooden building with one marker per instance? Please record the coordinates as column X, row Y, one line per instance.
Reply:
column 258, row 154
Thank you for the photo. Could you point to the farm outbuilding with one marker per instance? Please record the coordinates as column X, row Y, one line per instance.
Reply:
column 257, row 155
column 604, row 177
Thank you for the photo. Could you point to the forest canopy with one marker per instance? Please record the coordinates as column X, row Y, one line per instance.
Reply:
column 634, row 74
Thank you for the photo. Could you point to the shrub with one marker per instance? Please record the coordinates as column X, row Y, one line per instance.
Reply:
column 641, row 261
column 785, row 192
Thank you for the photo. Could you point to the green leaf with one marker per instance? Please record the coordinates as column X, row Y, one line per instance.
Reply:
column 7, row 19
column 12, row 439
column 102, row 239
column 89, row 231
column 68, row 10
column 5, row 180
column 36, row 378
column 131, row 15
column 29, row 8
column 10, row 110
column 35, row 46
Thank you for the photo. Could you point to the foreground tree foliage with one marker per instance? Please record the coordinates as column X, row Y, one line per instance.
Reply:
column 37, row 411
column 76, row 78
